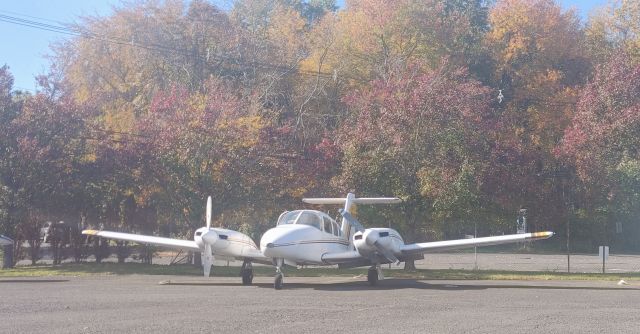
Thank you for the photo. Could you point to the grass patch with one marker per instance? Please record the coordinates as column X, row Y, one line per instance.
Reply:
column 86, row 269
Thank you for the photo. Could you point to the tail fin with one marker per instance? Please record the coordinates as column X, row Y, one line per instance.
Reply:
column 348, row 202
column 208, row 213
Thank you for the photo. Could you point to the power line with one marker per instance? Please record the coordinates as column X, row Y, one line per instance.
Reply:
column 149, row 46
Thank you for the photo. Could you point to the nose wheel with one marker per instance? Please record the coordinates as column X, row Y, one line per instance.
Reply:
column 278, row 280
column 246, row 272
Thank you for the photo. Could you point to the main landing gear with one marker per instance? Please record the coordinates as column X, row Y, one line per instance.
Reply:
column 374, row 274
column 246, row 272
column 278, row 280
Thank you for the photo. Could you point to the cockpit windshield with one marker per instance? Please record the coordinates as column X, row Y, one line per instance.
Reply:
column 313, row 218
column 289, row 217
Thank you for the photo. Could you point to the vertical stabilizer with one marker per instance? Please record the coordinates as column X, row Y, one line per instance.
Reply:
column 348, row 203
column 346, row 227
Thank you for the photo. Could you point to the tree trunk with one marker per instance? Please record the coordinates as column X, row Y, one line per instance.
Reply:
column 34, row 250
column 409, row 265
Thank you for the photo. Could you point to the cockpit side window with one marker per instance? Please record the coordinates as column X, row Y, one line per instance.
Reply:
column 311, row 219
column 327, row 224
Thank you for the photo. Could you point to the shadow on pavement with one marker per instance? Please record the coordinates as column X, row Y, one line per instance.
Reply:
column 33, row 280
column 396, row 284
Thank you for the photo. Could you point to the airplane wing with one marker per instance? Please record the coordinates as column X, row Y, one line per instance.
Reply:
column 425, row 247
column 414, row 251
column 343, row 257
column 256, row 256
column 146, row 239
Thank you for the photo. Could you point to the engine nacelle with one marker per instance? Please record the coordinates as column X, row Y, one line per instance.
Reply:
column 374, row 241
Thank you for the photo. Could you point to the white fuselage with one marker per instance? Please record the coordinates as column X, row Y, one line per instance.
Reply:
column 302, row 237
column 301, row 244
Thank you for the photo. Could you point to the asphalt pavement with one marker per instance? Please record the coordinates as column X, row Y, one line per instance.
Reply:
column 178, row 304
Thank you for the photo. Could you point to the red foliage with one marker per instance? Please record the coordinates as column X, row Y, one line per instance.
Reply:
column 606, row 123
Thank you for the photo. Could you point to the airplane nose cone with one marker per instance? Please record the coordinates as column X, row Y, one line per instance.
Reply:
column 268, row 241
column 280, row 242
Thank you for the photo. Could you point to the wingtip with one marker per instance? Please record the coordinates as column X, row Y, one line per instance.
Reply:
column 543, row 235
column 90, row 232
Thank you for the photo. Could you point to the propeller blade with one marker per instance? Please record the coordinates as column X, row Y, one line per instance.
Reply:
column 351, row 220
column 209, row 212
column 207, row 259
column 210, row 237
column 385, row 252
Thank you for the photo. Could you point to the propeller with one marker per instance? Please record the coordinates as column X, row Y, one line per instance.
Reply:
column 385, row 252
column 209, row 238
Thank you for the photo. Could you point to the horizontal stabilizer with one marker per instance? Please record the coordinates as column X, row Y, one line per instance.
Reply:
column 363, row 200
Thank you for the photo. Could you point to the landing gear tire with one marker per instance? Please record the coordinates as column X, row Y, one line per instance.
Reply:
column 277, row 282
column 372, row 276
column 247, row 277
column 246, row 272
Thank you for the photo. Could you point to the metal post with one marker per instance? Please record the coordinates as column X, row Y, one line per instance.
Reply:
column 475, row 249
column 568, row 248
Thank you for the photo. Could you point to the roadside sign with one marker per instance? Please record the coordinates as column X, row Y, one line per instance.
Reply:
column 603, row 253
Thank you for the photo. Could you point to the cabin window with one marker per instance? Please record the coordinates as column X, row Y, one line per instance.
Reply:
column 327, row 224
column 311, row 219
column 336, row 230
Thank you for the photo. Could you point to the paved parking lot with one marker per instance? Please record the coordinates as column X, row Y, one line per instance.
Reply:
column 139, row 304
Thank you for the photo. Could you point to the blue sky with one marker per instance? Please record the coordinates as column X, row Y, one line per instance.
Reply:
column 24, row 48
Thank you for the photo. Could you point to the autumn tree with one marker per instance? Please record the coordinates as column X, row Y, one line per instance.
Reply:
column 11, row 196
column 602, row 143
column 538, row 69
column 614, row 28
column 419, row 136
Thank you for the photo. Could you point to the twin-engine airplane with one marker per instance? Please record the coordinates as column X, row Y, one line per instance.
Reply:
column 223, row 243
column 311, row 237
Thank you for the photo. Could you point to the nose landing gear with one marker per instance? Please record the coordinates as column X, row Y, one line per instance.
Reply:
column 246, row 272
column 278, row 281
column 374, row 274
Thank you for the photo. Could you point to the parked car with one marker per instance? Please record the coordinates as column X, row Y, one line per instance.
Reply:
column 5, row 241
